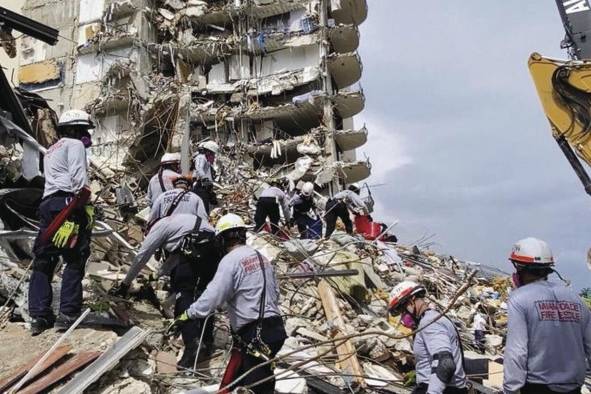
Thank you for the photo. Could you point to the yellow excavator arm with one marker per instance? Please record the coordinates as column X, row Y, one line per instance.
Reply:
column 564, row 88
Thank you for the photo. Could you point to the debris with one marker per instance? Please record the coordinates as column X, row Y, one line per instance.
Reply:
column 133, row 338
column 78, row 361
column 21, row 372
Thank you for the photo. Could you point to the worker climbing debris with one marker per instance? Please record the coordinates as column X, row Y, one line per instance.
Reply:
column 162, row 181
column 191, row 261
column 439, row 357
column 339, row 206
column 303, row 206
column 204, row 173
column 549, row 328
column 268, row 205
column 66, row 221
column 246, row 282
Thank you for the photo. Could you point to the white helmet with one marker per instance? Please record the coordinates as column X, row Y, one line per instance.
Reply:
column 308, row 189
column 228, row 222
column 170, row 158
column 75, row 117
column 211, row 146
column 531, row 252
column 402, row 292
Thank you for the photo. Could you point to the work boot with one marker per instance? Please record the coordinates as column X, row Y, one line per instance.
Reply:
column 188, row 359
column 40, row 324
column 63, row 321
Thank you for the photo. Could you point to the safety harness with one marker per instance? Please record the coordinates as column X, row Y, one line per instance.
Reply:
column 173, row 206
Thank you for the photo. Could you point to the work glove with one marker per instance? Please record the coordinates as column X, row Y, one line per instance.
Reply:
column 62, row 236
column 176, row 326
column 119, row 290
column 89, row 210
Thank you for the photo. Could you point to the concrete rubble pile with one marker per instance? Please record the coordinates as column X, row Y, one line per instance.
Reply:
column 275, row 84
column 383, row 357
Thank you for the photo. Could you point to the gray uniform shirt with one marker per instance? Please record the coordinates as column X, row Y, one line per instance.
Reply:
column 167, row 233
column 155, row 189
column 440, row 336
column 202, row 167
column 353, row 201
column 282, row 199
column 239, row 283
column 190, row 203
column 65, row 167
column 548, row 338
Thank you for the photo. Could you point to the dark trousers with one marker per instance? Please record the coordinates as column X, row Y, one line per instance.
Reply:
column 46, row 260
column 267, row 207
column 532, row 388
column 422, row 388
column 185, row 281
column 273, row 334
column 334, row 210
column 479, row 340
column 308, row 227
column 206, row 193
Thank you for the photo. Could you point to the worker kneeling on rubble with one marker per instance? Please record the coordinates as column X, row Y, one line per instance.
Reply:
column 245, row 280
column 191, row 259
column 549, row 327
column 65, row 226
column 268, row 205
column 302, row 204
column 339, row 206
column 204, row 173
column 170, row 168
column 437, row 347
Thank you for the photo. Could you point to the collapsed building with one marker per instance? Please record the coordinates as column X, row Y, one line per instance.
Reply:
column 278, row 80
column 276, row 83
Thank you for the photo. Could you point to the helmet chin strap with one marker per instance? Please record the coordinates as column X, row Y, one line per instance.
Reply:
column 566, row 281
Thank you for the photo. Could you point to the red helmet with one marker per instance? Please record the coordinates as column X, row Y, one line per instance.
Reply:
column 403, row 292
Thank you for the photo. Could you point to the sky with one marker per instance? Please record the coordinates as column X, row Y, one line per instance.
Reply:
column 457, row 135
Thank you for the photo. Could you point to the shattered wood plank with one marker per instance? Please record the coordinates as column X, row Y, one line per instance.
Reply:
column 22, row 371
column 132, row 339
column 75, row 363
column 347, row 353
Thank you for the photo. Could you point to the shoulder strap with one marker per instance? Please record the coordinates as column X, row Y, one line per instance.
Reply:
column 197, row 226
column 175, row 203
column 263, row 301
column 160, row 180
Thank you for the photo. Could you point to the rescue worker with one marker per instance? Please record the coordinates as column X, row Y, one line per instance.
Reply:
column 268, row 206
column 245, row 280
column 192, row 259
column 437, row 347
column 549, row 327
column 302, row 203
column 65, row 170
column 479, row 326
column 339, row 206
column 178, row 200
column 204, row 174
column 170, row 168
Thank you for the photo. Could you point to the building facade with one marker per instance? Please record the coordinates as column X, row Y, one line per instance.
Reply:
column 275, row 80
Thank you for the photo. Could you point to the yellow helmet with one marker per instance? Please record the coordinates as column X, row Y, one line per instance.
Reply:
column 229, row 222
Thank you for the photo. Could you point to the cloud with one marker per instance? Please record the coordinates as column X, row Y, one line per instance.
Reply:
column 457, row 133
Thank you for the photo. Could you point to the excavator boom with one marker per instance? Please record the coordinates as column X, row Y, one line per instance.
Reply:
column 564, row 88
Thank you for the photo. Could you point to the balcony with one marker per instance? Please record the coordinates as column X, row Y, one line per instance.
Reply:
column 349, row 11
column 344, row 38
column 350, row 139
column 345, row 68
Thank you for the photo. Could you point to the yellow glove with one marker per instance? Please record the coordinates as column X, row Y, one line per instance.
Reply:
column 89, row 209
column 64, row 233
